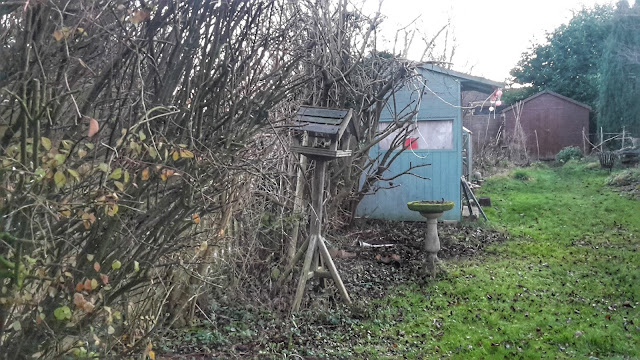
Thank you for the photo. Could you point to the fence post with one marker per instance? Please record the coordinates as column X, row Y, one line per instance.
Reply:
column 584, row 143
column 537, row 143
column 623, row 133
column 601, row 140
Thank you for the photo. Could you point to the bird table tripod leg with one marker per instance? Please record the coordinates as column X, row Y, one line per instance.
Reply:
column 297, row 257
column 311, row 249
column 332, row 269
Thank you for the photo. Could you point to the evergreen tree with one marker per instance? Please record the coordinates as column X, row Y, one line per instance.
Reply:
column 619, row 90
column 567, row 62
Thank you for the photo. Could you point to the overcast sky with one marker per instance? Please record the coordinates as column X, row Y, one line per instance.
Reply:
column 490, row 35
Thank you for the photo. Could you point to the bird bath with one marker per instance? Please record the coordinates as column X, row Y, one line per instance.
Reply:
column 431, row 210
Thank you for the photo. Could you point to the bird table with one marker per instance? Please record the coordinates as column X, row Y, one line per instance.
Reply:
column 326, row 129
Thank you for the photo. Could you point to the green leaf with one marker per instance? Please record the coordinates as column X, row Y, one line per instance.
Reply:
column 60, row 158
column 153, row 153
column 62, row 313
column 59, row 179
column 46, row 143
column 40, row 173
column 116, row 174
column 119, row 185
column 115, row 265
column 67, row 144
column 75, row 174
column 16, row 325
column 126, row 177
column 89, row 146
column 136, row 266
column 142, row 136
column 103, row 167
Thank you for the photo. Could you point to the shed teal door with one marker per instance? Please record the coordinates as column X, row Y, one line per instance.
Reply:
column 440, row 105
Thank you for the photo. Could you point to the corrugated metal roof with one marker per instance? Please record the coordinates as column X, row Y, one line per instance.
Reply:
column 462, row 76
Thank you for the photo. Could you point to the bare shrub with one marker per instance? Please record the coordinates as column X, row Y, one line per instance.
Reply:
column 125, row 124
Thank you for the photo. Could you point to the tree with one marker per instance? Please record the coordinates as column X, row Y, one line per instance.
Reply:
column 567, row 62
column 618, row 104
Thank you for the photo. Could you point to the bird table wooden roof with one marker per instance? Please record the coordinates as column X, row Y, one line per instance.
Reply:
column 323, row 122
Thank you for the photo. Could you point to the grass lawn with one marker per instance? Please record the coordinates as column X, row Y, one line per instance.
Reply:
column 567, row 284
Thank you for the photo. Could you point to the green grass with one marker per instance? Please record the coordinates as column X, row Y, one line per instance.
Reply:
column 567, row 284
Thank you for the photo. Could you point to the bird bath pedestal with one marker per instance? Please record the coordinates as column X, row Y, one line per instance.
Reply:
column 431, row 210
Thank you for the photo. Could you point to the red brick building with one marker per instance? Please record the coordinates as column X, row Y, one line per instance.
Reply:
column 549, row 122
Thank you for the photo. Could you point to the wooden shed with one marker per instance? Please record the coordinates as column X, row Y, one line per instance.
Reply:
column 439, row 142
column 549, row 122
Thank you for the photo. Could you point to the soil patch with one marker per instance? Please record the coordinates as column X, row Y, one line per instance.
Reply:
column 256, row 331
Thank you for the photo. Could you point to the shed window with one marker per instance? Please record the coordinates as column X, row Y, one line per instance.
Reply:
column 429, row 135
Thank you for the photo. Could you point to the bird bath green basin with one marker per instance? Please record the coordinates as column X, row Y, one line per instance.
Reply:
column 430, row 207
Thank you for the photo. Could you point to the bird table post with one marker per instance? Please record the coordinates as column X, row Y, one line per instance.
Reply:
column 331, row 124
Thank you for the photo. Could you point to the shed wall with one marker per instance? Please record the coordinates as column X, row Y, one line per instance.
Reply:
column 445, row 169
column 558, row 123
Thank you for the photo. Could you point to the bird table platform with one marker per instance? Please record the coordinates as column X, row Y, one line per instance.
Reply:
column 325, row 129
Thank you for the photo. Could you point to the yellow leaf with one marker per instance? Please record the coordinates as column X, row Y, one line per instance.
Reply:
column 87, row 221
column 82, row 153
column 89, row 256
column 145, row 174
column 94, row 284
column 136, row 266
column 142, row 135
column 116, row 174
column 119, row 185
column 75, row 174
column 58, row 35
column 175, row 155
column 112, row 209
column 103, row 167
column 59, row 179
column 126, row 177
column 46, row 143
column 65, row 212
column 166, row 173
column 152, row 355
column 186, row 154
